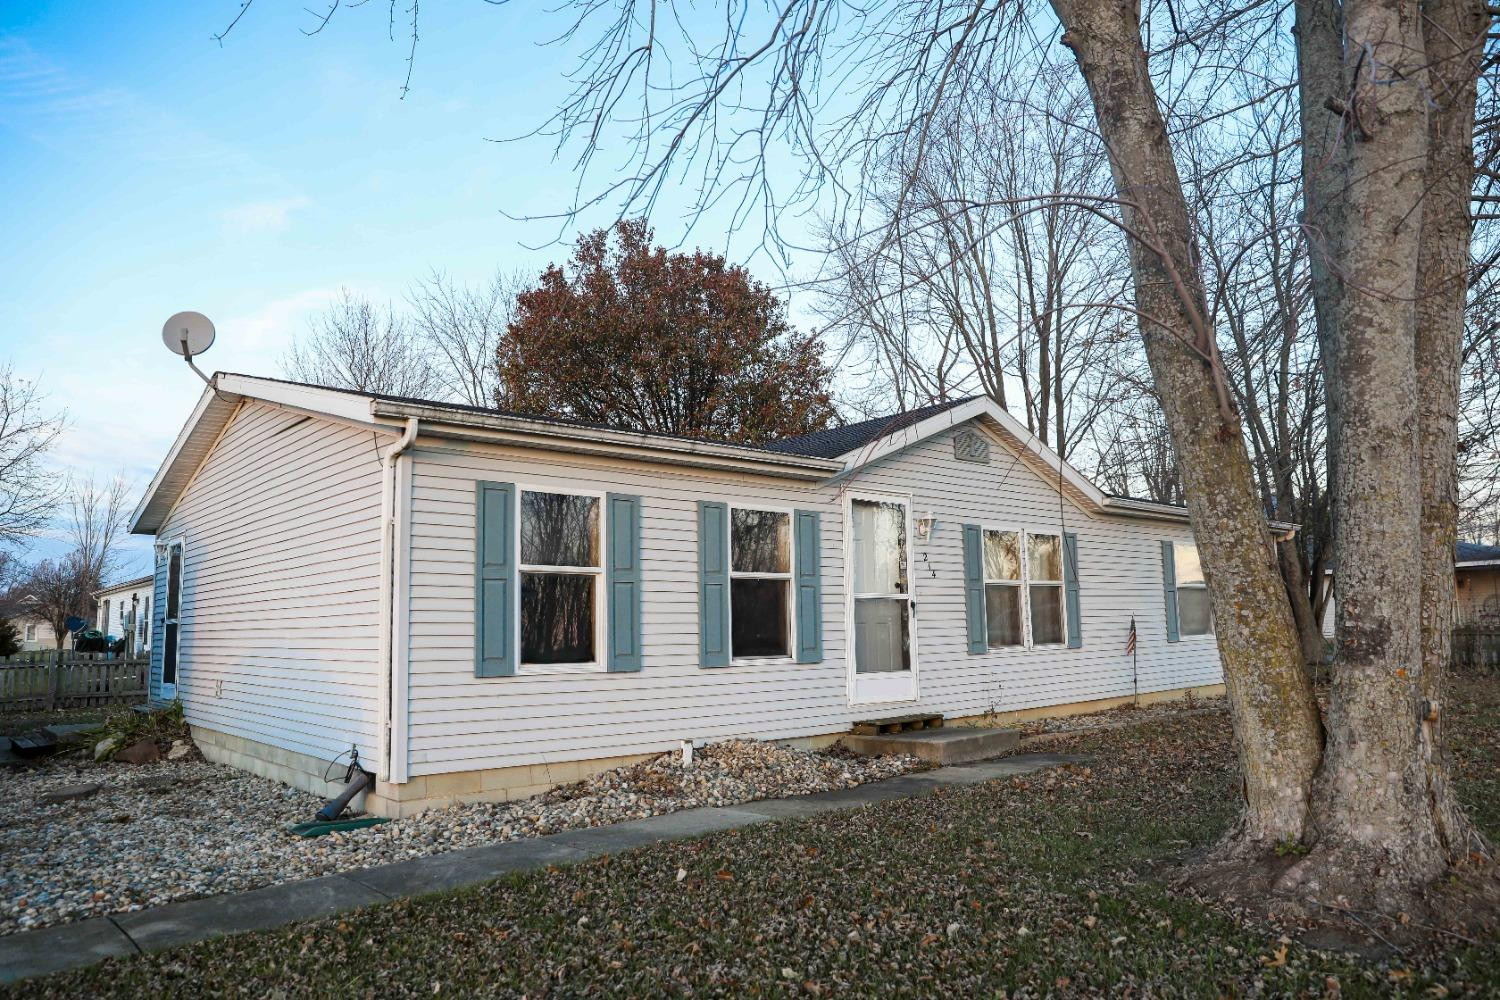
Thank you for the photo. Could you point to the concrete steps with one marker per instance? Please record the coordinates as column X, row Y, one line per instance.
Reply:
column 958, row 745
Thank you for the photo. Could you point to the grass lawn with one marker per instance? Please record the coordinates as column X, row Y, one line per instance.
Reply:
column 1029, row 887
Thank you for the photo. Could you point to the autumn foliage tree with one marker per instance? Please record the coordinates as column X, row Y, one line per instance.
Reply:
column 631, row 336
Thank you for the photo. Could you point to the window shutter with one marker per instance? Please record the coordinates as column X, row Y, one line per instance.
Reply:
column 809, row 581
column 158, row 603
column 974, row 588
column 495, row 580
column 623, row 578
column 1070, row 589
column 1169, row 588
column 713, row 584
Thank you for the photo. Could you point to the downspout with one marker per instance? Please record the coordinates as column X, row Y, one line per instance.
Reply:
column 388, row 639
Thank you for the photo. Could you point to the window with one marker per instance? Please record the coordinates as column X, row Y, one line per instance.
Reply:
column 760, row 583
column 1193, row 616
column 560, row 569
column 1023, row 588
column 1002, row 588
column 31, row 633
column 1045, row 588
column 104, row 619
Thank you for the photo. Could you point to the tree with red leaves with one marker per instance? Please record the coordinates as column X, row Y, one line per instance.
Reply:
column 631, row 336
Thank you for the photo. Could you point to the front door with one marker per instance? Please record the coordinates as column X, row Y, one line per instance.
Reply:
column 171, row 628
column 884, row 665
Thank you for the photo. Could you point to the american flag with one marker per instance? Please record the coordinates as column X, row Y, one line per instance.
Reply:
column 1130, row 642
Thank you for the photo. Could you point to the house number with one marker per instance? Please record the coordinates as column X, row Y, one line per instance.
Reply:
column 969, row 446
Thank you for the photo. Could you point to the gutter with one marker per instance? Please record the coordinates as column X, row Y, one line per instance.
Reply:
column 393, row 661
column 524, row 433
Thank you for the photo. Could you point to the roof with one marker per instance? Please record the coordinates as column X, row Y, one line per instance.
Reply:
column 822, row 456
column 1471, row 552
column 836, row 441
column 138, row 582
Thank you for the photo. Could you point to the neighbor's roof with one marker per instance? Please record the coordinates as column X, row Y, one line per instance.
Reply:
column 821, row 456
column 135, row 584
column 1473, row 554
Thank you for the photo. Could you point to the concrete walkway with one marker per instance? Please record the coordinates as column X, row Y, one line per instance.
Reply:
column 69, row 946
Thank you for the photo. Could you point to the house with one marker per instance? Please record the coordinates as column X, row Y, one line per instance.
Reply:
column 483, row 605
column 1477, row 569
column 36, row 632
column 1476, row 577
column 124, row 612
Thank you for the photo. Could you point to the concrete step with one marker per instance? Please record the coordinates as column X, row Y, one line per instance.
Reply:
column 955, row 745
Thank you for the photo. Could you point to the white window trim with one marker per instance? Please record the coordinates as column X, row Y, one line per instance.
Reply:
column 596, row 665
column 1178, row 587
column 1026, row 583
column 788, row 576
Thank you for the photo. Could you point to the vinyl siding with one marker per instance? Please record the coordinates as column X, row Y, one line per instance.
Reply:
column 281, row 597
column 459, row 722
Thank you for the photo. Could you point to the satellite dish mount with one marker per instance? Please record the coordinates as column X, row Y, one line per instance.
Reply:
column 188, row 334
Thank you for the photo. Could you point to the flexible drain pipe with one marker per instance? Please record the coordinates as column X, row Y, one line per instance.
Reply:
column 358, row 782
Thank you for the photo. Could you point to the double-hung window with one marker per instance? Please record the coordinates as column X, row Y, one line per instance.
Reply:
column 760, row 583
column 1023, row 589
column 1193, row 617
column 1002, row 588
column 560, row 578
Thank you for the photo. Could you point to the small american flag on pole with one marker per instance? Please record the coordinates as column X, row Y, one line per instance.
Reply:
column 1130, row 642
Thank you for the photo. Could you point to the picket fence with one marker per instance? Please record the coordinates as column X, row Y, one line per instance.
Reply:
column 48, row 679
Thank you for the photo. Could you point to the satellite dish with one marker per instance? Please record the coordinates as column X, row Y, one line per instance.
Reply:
column 188, row 334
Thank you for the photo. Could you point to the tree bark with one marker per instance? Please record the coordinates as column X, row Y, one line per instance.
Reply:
column 1271, row 704
column 1375, row 834
column 1455, row 36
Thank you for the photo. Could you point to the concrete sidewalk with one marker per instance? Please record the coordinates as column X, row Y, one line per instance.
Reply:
column 69, row 946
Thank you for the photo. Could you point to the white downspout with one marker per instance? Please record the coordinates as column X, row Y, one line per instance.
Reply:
column 388, row 637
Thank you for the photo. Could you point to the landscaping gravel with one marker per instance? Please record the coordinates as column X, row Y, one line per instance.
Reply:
column 160, row 832
column 1125, row 715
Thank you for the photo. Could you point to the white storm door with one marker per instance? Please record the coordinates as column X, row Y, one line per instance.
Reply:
column 884, row 665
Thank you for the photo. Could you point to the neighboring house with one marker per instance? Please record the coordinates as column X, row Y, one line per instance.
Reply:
column 1477, row 568
column 1476, row 572
column 36, row 632
column 124, row 611
column 485, row 605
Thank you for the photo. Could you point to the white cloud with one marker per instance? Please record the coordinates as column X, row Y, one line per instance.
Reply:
column 259, row 218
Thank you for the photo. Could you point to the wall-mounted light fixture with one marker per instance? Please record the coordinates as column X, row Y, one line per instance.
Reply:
column 926, row 525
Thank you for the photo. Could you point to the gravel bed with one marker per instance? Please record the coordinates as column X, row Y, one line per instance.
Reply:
column 177, row 830
column 1127, row 715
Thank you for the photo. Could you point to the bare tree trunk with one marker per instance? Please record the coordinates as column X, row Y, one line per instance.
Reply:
column 1375, row 831
column 1309, row 625
column 1455, row 38
column 1275, row 717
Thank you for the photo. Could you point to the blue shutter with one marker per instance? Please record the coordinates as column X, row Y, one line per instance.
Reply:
column 622, row 577
column 1169, row 589
column 158, row 616
column 1070, row 589
column 809, row 580
column 713, row 584
column 494, row 580
column 979, row 641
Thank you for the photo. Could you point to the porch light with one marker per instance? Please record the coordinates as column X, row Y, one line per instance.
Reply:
column 926, row 524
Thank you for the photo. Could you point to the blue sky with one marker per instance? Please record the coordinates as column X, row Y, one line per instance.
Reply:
column 148, row 169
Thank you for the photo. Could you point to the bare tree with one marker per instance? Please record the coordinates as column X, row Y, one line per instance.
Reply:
column 27, row 432
column 463, row 327
column 357, row 345
column 63, row 588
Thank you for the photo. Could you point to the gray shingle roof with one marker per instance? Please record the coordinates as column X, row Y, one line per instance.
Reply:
column 1470, row 552
column 838, row 441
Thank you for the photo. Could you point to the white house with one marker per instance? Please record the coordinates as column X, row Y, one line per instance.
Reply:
column 124, row 611
column 484, row 605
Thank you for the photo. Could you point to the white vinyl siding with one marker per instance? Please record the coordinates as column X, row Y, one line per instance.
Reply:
column 458, row 722
column 281, row 584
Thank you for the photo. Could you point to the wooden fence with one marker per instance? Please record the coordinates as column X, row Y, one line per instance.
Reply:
column 1476, row 648
column 49, row 679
